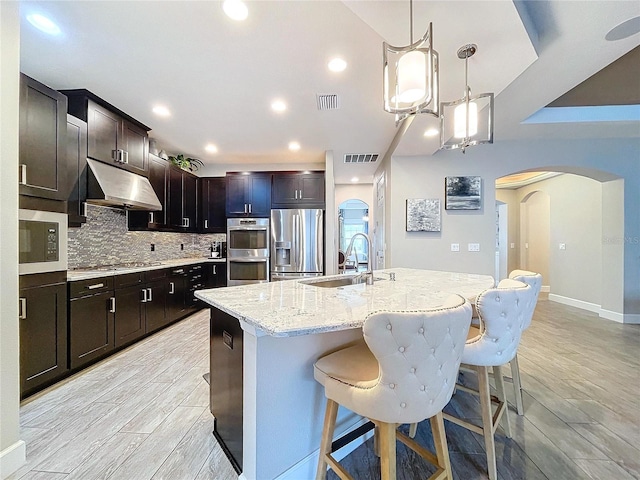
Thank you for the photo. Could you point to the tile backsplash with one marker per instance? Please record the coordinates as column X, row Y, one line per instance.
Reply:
column 105, row 240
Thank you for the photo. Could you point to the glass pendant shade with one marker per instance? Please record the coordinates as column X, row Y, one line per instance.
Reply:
column 411, row 80
column 460, row 120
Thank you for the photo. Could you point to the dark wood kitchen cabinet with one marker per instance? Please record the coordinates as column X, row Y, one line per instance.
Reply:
column 113, row 136
column 43, row 330
column 212, row 218
column 196, row 280
column 176, row 293
column 76, row 169
column 248, row 195
column 182, row 200
column 92, row 308
column 42, row 142
column 216, row 274
column 298, row 190
column 158, row 178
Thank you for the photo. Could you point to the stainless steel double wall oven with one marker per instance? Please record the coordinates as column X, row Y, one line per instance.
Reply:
column 247, row 251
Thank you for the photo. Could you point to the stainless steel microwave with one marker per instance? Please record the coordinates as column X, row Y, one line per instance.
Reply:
column 42, row 241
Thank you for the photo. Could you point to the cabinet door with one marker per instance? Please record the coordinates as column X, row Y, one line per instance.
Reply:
column 285, row 189
column 213, row 218
column 135, row 143
column 42, row 127
column 217, row 275
column 260, row 186
column 76, row 169
column 43, row 336
column 104, row 131
column 158, row 178
column 176, row 294
column 130, row 314
column 91, row 322
column 189, row 201
column 312, row 189
column 156, row 305
column 236, row 195
column 174, row 201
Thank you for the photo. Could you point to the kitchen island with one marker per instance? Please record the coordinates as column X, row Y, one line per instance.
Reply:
column 281, row 330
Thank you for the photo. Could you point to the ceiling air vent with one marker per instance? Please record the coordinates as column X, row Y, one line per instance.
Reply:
column 328, row 101
column 360, row 157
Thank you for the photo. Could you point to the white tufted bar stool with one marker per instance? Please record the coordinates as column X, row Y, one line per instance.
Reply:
column 403, row 372
column 503, row 312
column 534, row 280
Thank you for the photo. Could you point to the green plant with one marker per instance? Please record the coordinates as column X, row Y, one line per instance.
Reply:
column 186, row 163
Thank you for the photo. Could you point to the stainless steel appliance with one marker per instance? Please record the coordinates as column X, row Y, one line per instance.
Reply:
column 247, row 251
column 297, row 243
column 42, row 241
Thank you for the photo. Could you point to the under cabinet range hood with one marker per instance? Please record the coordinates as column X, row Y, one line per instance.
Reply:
column 113, row 187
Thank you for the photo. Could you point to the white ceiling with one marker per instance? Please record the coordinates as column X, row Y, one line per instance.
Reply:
column 218, row 77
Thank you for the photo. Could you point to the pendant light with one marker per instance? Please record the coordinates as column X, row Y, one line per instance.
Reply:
column 469, row 120
column 411, row 76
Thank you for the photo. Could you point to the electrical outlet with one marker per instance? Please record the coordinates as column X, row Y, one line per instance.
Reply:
column 153, row 247
column 513, row 245
column 473, row 247
column 455, row 247
column 182, row 246
column 563, row 246
column 526, row 245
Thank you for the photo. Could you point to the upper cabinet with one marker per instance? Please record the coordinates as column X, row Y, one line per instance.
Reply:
column 182, row 200
column 43, row 137
column 212, row 217
column 77, row 169
column 248, row 195
column 113, row 136
column 158, row 178
column 298, row 190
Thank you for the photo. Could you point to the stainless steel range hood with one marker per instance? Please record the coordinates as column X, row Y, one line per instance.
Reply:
column 113, row 187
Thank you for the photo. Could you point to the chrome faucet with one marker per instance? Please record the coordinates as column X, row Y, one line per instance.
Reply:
column 369, row 273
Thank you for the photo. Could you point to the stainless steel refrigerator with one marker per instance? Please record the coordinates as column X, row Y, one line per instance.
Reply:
column 297, row 243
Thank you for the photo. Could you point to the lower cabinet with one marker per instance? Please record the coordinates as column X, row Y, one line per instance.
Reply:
column 43, row 330
column 176, row 288
column 92, row 308
column 216, row 275
column 130, row 320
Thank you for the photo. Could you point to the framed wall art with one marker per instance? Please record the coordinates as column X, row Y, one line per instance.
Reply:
column 423, row 215
column 463, row 193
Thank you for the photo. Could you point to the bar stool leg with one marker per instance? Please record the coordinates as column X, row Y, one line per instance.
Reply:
column 330, row 415
column 517, row 385
column 499, row 379
column 440, row 442
column 387, row 450
column 487, row 421
column 413, row 429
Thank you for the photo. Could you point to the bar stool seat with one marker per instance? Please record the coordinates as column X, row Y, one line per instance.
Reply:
column 404, row 371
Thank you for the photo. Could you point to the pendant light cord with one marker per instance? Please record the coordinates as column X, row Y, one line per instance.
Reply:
column 411, row 22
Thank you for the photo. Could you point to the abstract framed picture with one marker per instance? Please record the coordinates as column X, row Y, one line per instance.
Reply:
column 423, row 215
column 463, row 193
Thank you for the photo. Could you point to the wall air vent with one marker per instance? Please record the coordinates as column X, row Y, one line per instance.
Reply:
column 328, row 101
column 361, row 158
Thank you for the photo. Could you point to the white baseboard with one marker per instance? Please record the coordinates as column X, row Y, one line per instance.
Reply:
column 12, row 458
column 545, row 288
column 630, row 318
column 306, row 468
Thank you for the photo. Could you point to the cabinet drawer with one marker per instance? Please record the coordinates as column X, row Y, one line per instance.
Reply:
column 159, row 274
column 128, row 279
column 82, row 288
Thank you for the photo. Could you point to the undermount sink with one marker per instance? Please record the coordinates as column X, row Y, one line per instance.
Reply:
column 339, row 282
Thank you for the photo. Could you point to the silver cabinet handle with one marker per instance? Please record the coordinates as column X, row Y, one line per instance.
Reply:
column 214, row 270
column 115, row 155
column 125, row 157
column 151, row 217
column 144, row 295
column 187, row 221
column 300, row 195
column 23, row 174
column 245, row 208
column 150, row 295
column 23, row 309
column 112, row 308
column 181, row 270
column 296, row 194
column 172, row 288
column 249, row 208
column 95, row 285
column 206, row 224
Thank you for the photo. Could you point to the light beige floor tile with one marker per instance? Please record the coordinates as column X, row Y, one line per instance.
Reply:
column 604, row 469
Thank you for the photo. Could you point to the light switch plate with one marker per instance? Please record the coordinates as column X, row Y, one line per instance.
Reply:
column 563, row 246
column 513, row 245
column 455, row 247
column 474, row 247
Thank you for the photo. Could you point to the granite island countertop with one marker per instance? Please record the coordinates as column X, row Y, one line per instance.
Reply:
column 89, row 273
column 295, row 307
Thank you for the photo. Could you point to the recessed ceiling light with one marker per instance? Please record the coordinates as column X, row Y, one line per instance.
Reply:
column 278, row 106
column 211, row 148
column 337, row 65
column 235, row 9
column 354, row 180
column 431, row 132
column 294, row 146
column 43, row 23
column 624, row 30
column 161, row 111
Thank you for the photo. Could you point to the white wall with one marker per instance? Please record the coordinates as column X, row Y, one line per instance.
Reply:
column 12, row 449
column 535, row 226
column 423, row 177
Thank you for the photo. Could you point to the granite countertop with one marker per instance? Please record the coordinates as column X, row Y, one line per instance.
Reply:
column 89, row 273
column 296, row 307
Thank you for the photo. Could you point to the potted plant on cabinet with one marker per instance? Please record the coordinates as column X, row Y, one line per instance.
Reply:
column 186, row 163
